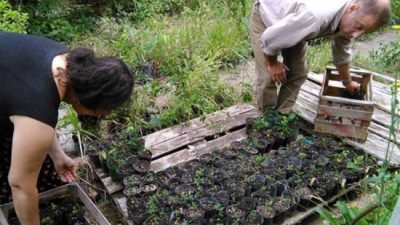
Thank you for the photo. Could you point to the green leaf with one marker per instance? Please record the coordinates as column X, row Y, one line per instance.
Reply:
column 328, row 216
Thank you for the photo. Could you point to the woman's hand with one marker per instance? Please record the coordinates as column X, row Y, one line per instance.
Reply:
column 64, row 165
column 65, row 168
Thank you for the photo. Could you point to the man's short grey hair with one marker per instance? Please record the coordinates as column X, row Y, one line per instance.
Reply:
column 380, row 9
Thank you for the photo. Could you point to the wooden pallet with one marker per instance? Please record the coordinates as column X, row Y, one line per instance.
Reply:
column 182, row 143
column 193, row 139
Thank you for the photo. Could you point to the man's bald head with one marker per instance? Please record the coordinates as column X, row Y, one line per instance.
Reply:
column 380, row 9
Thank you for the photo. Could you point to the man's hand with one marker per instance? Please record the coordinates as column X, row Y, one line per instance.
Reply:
column 353, row 87
column 277, row 71
column 65, row 168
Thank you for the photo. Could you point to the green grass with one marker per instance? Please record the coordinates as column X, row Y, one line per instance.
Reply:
column 319, row 56
column 185, row 52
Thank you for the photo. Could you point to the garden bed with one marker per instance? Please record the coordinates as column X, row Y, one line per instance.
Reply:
column 67, row 204
column 268, row 176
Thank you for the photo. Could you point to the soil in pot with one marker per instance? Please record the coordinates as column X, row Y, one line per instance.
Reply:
column 141, row 166
column 154, row 220
column 266, row 210
column 208, row 204
column 222, row 197
column 133, row 179
column 253, row 218
column 281, row 206
column 247, row 204
column 233, row 212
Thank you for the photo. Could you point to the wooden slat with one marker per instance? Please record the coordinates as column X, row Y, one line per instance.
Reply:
column 189, row 154
column 341, row 130
column 175, row 131
column 111, row 187
column 208, row 128
column 91, row 207
column 377, row 146
column 347, row 100
column 383, row 132
column 342, row 112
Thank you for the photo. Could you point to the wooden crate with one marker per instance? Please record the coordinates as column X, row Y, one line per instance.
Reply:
column 340, row 116
column 74, row 190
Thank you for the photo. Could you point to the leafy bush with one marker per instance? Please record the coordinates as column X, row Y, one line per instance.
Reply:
column 59, row 20
column 387, row 56
column 319, row 56
column 12, row 20
column 395, row 11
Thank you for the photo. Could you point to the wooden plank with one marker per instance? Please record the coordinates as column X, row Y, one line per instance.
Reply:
column 347, row 100
column 189, row 154
column 383, row 132
column 91, row 207
column 377, row 146
column 175, row 131
column 120, row 200
column 111, row 187
column 197, row 134
column 342, row 112
column 342, row 130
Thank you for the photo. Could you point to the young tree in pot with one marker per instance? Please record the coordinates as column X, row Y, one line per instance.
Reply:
column 173, row 172
column 266, row 210
column 255, row 182
column 209, row 205
column 194, row 213
column 93, row 152
column 233, row 213
column 149, row 188
column 173, row 182
column 247, row 204
column 141, row 166
column 281, row 206
column 154, row 220
column 113, row 164
column 253, row 218
column 137, row 209
column 133, row 179
column 222, row 197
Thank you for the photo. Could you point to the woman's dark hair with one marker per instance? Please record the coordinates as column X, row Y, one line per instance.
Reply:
column 99, row 82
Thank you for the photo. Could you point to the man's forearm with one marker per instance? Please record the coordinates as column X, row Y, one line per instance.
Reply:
column 26, row 202
column 344, row 72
